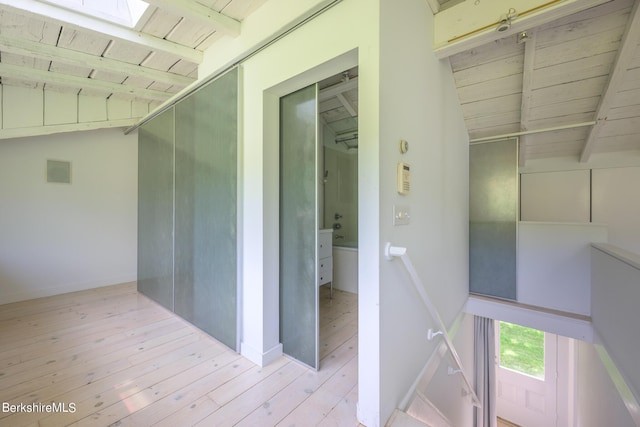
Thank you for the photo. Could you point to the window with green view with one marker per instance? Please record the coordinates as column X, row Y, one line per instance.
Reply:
column 522, row 349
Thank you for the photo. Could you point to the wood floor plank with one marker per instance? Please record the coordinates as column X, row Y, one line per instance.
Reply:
column 125, row 361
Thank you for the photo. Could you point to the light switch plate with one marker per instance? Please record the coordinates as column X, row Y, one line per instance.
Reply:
column 401, row 215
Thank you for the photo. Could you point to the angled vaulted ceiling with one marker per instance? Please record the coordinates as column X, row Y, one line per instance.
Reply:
column 570, row 90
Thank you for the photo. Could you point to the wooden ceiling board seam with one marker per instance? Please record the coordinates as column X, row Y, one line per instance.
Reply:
column 612, row 22
column 577, row 49
column 72, row 57
column 580, row 69
column 568, row 91
column 591, row 13
column 582, row 105
column 500, row 49
column 82, row 41
column 189, row 33
column 563, row 120
column 499, row 87
column 493, row 120
column 491, row 132
column 626, row 97
column 488, row 71
column 200, row 15
column 240, row 9
column 94, row 25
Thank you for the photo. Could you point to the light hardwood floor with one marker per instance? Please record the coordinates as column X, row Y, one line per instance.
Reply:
column 125, row 361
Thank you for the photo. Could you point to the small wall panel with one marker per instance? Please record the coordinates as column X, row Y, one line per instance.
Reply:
column 555, row 196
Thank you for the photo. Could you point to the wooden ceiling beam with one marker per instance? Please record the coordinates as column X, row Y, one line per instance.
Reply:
column 628, row 45
column 32, row 74
column 99, row 26
column 527, row 84
column 347, row 105
column 199, row 13
column 72, row 57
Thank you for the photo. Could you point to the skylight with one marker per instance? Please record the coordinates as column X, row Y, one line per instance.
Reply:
column 121, row 12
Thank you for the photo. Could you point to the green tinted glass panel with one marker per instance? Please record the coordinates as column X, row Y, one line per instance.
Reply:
column 155, row 209
column 493, row 210
column 206, row 209
column 298, row 226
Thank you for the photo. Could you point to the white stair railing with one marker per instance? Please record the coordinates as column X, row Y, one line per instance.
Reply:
column 400, row 252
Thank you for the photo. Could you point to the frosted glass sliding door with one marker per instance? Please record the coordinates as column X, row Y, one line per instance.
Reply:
column 155, row 209
column 205, row 209
column 493, row 216
column 298, row 225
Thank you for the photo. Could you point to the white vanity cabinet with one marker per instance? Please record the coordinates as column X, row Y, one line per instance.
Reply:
column 325, row 257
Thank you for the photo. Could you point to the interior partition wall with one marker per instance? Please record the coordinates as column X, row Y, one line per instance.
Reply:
column 493, row 218
column 188, row 196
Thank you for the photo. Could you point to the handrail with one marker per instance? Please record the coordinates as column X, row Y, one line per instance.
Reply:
column 396, row 251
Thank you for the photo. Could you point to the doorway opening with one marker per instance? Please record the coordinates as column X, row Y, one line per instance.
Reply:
column 533, row 376
column 318, row 220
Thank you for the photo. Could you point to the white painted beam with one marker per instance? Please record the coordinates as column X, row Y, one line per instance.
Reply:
column 434, row 5
column 527, row 83
column 628, row 45
column 347, row 105
column 73, row 127
column 199, row 13
column 32, row 74
column 72, row 57
column 96, row 25
column 338, row 88
column 483, row 32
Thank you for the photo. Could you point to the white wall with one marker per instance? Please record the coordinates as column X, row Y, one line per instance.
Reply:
column 598, row 400
column 554, row 264
column 554, row 190
column 615, row 277
column 404, row 93
column 418, row 103
column 58, row 238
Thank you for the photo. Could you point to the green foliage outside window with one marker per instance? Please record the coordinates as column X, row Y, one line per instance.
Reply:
column 522, row 349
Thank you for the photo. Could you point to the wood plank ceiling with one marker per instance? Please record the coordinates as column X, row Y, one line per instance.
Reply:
column 43, row 45
column 579, row 74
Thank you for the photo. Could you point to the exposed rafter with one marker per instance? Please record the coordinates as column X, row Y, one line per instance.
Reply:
column 338, row 88
column 347, row 105
column 99, row 26
column 72, row 57
column 527, row 82
column 628, row 45
column 434, row 5
column 199, row 13
column 17, row 72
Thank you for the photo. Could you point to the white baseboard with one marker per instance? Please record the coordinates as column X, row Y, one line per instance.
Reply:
column 258, row 357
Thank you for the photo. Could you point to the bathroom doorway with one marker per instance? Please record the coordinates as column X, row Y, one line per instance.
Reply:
column 318, row 199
